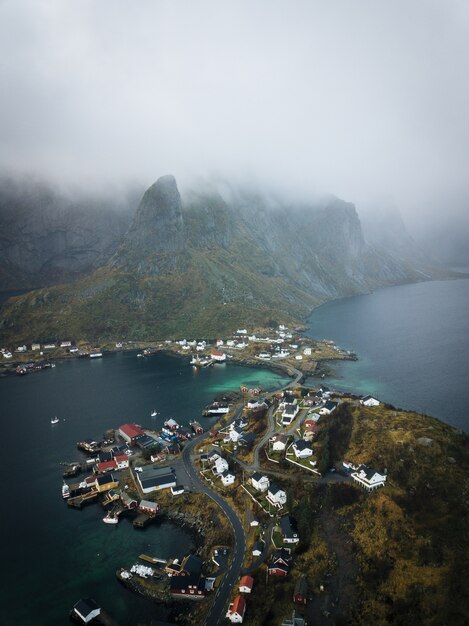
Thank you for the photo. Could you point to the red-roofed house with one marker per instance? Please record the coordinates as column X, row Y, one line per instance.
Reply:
column 246, row 584
column 122, row 461
column 237, row 610
column 130, row 432
column 105, row 466
column 218, row 355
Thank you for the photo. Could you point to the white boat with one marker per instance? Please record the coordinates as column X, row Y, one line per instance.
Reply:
column 140, row 354
column 95, row 355
column 55, row 420
column 110, row 519
column 65, row 491
column 154, row 413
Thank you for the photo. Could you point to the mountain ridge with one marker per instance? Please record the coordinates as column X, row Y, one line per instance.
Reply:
column 206, row 264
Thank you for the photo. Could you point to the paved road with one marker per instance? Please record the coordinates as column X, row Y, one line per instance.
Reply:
column 217, row 612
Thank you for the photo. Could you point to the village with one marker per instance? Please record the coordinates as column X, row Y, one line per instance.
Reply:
column 260, row 445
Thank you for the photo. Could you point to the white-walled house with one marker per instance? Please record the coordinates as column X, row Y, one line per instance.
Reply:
column 279, row 442
column 302, row 449
column 328, row 408
column 221, row 465
column 289, row 414
column 369, row 478
column 276, row 496
column 236, row 434
column 237, row 610
column 227, row 478
column 370, row 401
column 260, row 481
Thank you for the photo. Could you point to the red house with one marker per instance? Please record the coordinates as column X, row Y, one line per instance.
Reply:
column 246, row 584
column 106, row 466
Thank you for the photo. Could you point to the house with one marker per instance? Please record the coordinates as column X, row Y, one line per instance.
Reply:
column 227, row 478
column 246, row 584
column 86, row 610
column 218, row 356
column 328, row 408
column 280, row 563
column 289, row 413
column 130, row 433
column 221, row 465
column 300, row 594
column 276, row 496
column 177, row 490
column 191, row 564
column 154, row 479
column 302, row 449
column 258, row 548
column 122, row 461
column 279, row 443
column 237, row 610
column 260, row 482
column 148, row 507
column 65, row 344
column 35, row 346
column 105, row 482
column 255, row 404
column 192, row 585
column 307, row 351
column 370, row 401
column 106, row 466
column 235, row 434
column 368, row 478
column 247, row 439
column 171, row 424
column 127, row 501
column 289, row 529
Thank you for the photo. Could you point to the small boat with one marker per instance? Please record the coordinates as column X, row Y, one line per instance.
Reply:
column 154, row 413
column 65, row 491
column 96, row 355
column 140, row 354
column 55, row 420
column 110, row 519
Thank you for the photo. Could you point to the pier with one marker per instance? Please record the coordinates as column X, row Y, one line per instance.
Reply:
column 78, row 501
column 142, row 520
column 152, row 559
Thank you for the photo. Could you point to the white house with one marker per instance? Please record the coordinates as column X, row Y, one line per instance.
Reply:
column 231, row 343
column 307, row 351
column 302, row 449
column 328, row 408
column 221, row 465
column 218, row 356
column 370, row 401
column 227, row 478
column 241, row 331
column 260, row 482
column 236, row 434
column 258, row 548
column 276, row 496
column 299, row 357
column 368, row 478
column 289, row 413
column 264, row 355
column 279, row 443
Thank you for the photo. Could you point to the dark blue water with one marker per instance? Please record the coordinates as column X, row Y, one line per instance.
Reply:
column 51, row 555
column 413, row 346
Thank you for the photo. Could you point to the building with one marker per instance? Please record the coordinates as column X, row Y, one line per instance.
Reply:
column 370, row 401
column 221, row 465
column 86, row 610
column 127, row 501
column 289, row 529
column 218, row 356
column 154, row 479
column 258, row 548
column 328, row 408
column 294, row 620
column 280, row 563
column 302, row 449
column 260, row 481
column 177, row 490
column 246, row 584
column 148, row 507
column 237, row 610
column 130, row 433
column 279, row 442
column 368, row 478
column 105, row 467
column 289, row 413
column 300, row 594
column 105, row 482
column 122, row 461
column 227, row 478
column 191, row 585
column 276, row 496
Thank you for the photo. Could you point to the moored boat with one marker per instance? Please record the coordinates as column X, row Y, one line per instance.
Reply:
column 65, row 491
column 54, row 420
column 154, row 413
column 110, row 519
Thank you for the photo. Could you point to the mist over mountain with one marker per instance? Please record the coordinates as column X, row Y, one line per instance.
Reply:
column 198, row 264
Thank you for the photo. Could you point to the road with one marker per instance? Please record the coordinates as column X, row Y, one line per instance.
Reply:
column 216, row 614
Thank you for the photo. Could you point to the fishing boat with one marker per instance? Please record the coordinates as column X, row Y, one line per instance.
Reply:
column 110, row 519
column 55, row 420
column 154, row 413
column 65, row 491
column 96, row 355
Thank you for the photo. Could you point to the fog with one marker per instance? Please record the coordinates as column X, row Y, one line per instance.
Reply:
column 361, row 99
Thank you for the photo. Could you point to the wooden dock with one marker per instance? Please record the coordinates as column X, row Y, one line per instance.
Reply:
column 78, row 501
column 142, row 520
column 152, row 559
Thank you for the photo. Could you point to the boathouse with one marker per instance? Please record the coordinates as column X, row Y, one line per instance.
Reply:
column 130, row 433
column 154, row 479
column 86, row 610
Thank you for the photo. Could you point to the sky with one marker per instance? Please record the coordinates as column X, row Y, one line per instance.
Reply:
column 366, row 99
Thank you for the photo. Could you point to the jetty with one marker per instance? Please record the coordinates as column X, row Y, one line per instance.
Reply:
column 142, row 520
column 152, row 559
column 78, row 501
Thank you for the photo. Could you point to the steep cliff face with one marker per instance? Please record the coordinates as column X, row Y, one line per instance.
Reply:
column 47, row 238
column 205, row 265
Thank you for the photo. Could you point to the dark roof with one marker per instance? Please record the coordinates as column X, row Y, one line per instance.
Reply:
column 288, row 526
column 259, row 545
column 301, row 444
column 256, row 476
column 330, row 405
column 105, row 479
column 282, row 553
column 192, row 564
column 145, row 442
column 290, row 409
column 105, row 456
column 273, row 489
column 183, row 582
column 369, row 472
column 247, row 437
column 85, row 606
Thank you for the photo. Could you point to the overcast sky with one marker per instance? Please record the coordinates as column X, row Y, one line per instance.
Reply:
column 362, row 98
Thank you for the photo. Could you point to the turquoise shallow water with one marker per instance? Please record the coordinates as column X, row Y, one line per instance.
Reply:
column 412, row 342
column 51, row 555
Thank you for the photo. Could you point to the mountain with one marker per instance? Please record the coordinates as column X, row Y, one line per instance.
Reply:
column 47, row 237
column 203, row 264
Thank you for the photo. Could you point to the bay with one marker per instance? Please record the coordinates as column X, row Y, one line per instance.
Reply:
column 52, row 556
column 412, row 343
